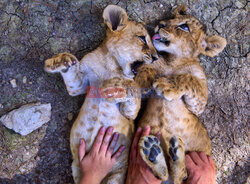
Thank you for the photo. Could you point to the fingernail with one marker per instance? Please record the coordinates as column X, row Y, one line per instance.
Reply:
column 81, row 141
column 147, row 127
column 110, row 130
column 103, row 130
column 116, row 136
column 139, row 129
column 122, row 148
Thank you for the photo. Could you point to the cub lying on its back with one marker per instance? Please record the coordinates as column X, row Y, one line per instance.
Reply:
column 126, row 43
column 182, row 84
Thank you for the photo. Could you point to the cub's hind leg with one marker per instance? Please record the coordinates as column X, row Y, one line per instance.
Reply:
column 69, row 67
column 177, row 160
column 152, row 154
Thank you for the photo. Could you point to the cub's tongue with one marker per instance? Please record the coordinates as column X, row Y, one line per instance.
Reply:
column 156, row 37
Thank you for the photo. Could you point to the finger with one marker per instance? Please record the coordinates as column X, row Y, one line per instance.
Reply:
column 135, row 143
column 190, row 165
column 81, row 149
column 195, row 157
column 211, row 161
column 203, row 157
column 98, row 140
column 146, row 130
column 158, row 135
column 112, row 144
column 106, row 140
column 118, row 153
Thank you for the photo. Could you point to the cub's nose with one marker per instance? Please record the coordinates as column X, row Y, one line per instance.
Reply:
column 154, row 57
column 161, row 26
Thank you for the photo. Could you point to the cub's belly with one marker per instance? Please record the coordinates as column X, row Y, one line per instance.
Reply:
column 94, row 114
column 172, row 118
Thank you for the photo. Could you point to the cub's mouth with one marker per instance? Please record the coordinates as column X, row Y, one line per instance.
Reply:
column 158, row 38
column 135, row 65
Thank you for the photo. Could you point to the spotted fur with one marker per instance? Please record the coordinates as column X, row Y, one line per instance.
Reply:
column 107, row 66
column 181, row 85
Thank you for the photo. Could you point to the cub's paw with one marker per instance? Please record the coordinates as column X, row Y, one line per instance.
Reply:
column 152, row 154
column 176, row 150
column 177, row 159
column 145, row 78
column 116, row 90
column 167, row 88
column 60, row 63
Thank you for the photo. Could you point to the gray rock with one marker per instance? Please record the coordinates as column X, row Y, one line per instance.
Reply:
column 27, row 118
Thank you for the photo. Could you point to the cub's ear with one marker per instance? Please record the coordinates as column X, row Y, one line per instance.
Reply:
column 180, row 10
column 212, row 45
column 115, row 17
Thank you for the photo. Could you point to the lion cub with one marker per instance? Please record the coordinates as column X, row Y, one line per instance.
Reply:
column 112, row 62
column 181, row 85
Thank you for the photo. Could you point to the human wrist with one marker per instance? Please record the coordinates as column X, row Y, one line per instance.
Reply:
column 87, row 179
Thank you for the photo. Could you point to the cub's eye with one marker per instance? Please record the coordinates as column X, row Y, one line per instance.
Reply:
column 184, row 27
column 143, row 39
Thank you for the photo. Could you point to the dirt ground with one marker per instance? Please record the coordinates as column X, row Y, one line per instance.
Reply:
column 34, row 30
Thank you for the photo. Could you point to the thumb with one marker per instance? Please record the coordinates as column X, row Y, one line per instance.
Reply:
column 81, row 149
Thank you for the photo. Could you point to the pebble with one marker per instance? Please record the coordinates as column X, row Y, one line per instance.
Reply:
column 13, row 83
column 70, row 116
column 24, row 79
column 1, row 106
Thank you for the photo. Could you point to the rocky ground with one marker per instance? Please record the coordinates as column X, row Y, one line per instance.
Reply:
column 34, row 30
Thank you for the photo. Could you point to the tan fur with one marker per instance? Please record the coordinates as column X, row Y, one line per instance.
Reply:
column 181, row 83
column 107, row 66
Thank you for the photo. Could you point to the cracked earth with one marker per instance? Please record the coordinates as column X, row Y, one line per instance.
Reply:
column 34, row 30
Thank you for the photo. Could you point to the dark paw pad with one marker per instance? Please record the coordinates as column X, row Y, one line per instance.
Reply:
column 153, row 154
column 145, row 151
column 172, row 153
column 173, row 148
column 172, row 141
column 151, row 149
column 147, row 144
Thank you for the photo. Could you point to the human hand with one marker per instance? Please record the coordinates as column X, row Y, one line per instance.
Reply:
column 200, row 168
column 97, row 163
column 138, row 171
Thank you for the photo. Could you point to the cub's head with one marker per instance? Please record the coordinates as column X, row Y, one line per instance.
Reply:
column 127, row 40
column 184, row 36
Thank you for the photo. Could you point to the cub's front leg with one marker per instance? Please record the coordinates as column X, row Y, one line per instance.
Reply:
column 193, row 90
column 69, row 67
column 125, row 92
column 145, row 77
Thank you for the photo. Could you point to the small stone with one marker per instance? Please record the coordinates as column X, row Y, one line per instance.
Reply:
column 30, row 82
column 239, row 4
column 70, row 116
column 13, row 83
column 27, row 118
column 1, row 106
column 24, row 79
column 161, row 5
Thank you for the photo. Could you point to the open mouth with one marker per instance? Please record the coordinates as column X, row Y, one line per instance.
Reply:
column 135, row 65
column 158, row 38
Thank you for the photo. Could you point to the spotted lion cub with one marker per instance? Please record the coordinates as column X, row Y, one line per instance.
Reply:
column 181, row 86
column 110, row 65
